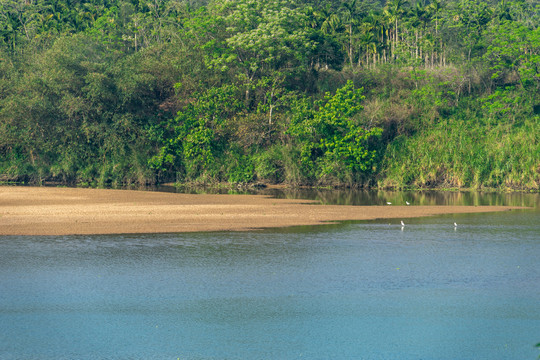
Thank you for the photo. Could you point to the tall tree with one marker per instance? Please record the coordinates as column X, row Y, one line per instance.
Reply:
column 351, row 20
column 262, row 38
column 394, row 9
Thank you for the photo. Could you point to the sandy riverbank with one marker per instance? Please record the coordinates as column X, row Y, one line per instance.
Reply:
column 64, row 211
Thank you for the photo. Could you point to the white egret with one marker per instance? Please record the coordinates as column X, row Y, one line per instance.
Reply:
column 408, row 203
column 402, row 223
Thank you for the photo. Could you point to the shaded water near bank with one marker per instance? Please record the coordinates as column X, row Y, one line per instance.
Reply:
column 362, row 290
column 377, row 197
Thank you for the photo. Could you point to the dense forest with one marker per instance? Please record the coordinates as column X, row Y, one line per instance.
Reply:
column 360, row 93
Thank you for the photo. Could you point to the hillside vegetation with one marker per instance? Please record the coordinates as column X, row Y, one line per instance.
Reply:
column 397, row 94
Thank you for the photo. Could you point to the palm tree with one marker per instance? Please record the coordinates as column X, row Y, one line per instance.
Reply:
column 393, row 11
column 312, row 17
column 378, row 25
column 503, row 11
column 350, row 21
column 370, row 42
column 434, row 9
column 419, row 15
column 372, row 38
column 330, row 23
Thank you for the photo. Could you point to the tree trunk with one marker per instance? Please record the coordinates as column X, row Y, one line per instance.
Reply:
column 416, row 45
column 397, row 38
column 271, row 107
column 441, row 53
column 444, row 58
column 350, row 46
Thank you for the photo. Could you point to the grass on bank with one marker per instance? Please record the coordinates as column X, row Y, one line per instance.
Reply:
column 456, row 153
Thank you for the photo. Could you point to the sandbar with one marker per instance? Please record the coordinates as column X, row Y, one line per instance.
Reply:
column 78, row 211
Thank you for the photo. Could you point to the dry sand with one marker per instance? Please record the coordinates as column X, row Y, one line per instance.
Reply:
column 65, row 211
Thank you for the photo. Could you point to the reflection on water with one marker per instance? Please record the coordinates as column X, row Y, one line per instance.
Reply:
column 374, row 197
column 360, row 290
column 370, row 197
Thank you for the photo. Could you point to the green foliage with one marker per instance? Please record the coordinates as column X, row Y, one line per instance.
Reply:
column 514, row 50
column 193, row 138
column 464, row 153
column 269, row 165
column 328, row 134
column 263, row 35
column 240, row 167
column 109, row 93
column 503, row 104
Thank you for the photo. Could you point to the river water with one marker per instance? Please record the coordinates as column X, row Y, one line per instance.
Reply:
column 358, row 290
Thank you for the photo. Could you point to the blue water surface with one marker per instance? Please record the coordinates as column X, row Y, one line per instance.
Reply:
column 364, row 290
